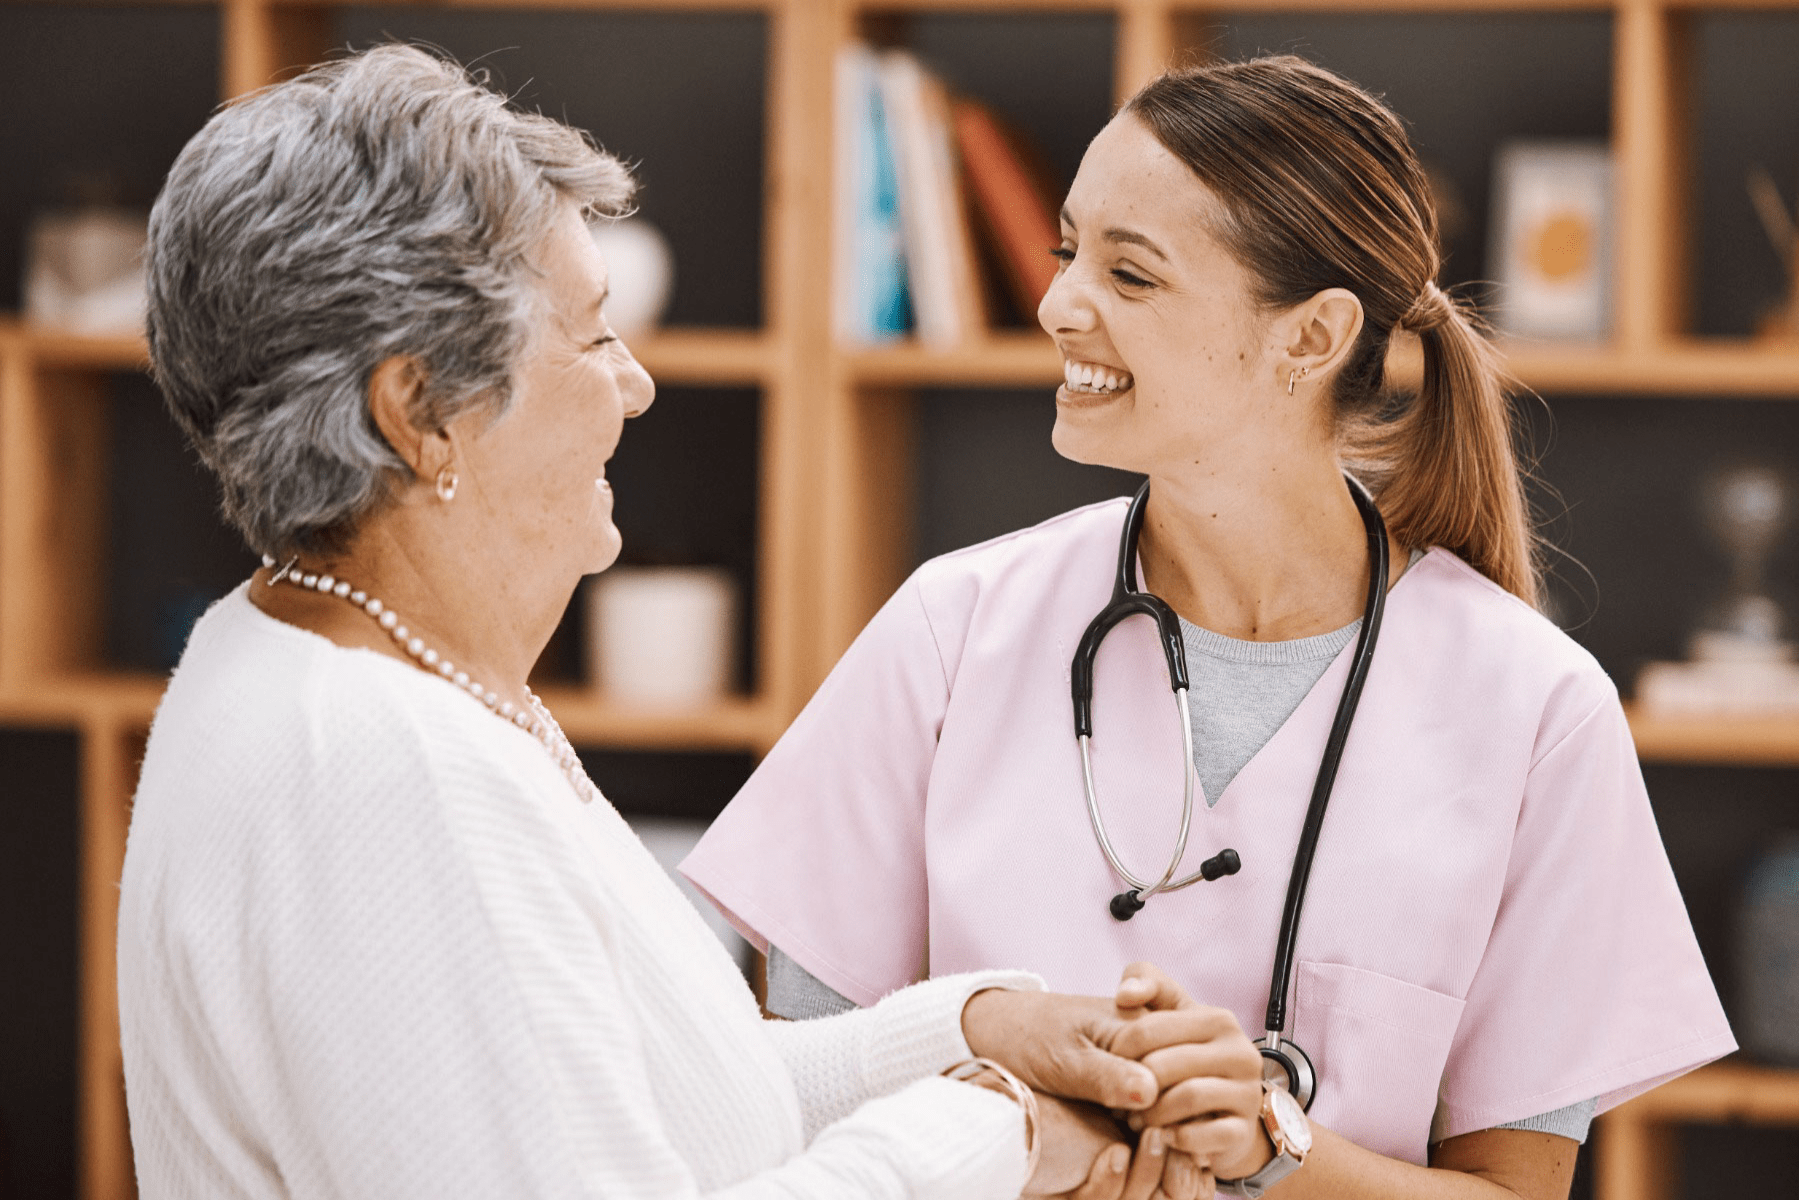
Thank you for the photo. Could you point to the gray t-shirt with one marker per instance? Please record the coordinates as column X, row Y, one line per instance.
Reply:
column 1240, row 694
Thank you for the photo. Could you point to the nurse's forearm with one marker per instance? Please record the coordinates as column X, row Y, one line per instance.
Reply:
column 1494, row 1164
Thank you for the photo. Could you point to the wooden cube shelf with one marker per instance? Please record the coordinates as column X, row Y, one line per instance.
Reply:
column 833, row 457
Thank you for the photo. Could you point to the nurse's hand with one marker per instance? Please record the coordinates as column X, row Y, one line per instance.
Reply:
column 1208, row 1073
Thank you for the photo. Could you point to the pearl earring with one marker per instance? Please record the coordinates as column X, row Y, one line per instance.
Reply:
column 446, row 484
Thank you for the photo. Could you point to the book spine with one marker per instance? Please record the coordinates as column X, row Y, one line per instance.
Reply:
column 1021, row 218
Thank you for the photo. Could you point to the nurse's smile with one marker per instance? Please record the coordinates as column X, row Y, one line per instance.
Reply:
column 1089, row 385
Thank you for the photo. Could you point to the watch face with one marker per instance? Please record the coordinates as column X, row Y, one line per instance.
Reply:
column 1292, row 1120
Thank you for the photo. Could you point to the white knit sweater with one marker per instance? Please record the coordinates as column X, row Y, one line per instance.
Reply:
column 371, row 945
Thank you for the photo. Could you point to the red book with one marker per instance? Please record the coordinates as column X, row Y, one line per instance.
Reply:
column 1014, row 205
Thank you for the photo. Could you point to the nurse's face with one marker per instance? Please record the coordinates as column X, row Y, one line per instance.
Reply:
column 1167, row 357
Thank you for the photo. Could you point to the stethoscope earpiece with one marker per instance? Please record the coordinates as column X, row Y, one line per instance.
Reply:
column 1126, row 905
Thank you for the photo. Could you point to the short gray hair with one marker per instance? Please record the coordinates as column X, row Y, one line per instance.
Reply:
column 379, row 205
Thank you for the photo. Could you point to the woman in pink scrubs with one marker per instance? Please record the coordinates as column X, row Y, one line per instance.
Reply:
column 1492, row 947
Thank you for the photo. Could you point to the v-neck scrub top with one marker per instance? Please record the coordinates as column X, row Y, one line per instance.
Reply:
column 1491, row 932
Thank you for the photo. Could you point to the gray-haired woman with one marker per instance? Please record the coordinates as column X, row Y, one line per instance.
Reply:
column 379, row 934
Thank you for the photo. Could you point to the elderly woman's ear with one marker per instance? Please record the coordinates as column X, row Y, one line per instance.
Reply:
column 394, row 387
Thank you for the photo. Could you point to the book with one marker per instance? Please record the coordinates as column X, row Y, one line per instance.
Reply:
column 1014, row 204
column 872, row 300
column 939, row 243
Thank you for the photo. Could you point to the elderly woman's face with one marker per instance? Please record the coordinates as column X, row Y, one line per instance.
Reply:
column 541, row 470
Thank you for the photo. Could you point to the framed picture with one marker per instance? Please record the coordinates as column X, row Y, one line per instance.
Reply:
column 1551, row 242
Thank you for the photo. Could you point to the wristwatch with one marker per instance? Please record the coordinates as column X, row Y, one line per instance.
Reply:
column 1291, row 1134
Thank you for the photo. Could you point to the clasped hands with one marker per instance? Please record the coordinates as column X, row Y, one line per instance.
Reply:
column 1148, row 1096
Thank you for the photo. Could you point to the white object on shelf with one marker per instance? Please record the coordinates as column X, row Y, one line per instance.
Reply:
column 1551, row 243
column 1720, row 686
column 663, row 635
column 640, row 270
column 84, row 271
column 940, row 256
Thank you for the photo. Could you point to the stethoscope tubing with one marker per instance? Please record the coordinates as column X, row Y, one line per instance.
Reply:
column 1143, row 889
column 1286, row 942
column 1127, row 601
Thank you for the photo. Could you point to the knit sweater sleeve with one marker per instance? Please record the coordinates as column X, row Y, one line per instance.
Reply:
column 841, row 1062
column 383, row 972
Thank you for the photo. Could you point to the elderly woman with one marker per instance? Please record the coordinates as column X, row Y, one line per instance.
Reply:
column 379, row 935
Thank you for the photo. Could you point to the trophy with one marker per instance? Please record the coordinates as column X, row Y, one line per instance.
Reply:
column 1781, row 322
column 1740, row 659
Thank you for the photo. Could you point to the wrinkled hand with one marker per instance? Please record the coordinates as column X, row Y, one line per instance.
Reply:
column 1079, row 1143
column 1064, row 1045
column 1153, row 1171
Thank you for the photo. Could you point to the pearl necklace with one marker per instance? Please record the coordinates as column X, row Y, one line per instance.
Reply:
column 535, row 721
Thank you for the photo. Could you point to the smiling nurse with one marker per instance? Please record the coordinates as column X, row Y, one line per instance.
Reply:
column 1492, row 946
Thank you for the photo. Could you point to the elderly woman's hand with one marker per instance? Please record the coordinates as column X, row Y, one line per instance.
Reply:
column 1088, row 1048
column 1084, row 1158
column 1061, row 1045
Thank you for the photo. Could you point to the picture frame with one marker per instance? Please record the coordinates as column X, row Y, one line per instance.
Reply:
column 1551, row 239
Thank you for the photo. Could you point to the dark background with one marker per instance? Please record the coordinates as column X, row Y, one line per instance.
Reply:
column 100, row 100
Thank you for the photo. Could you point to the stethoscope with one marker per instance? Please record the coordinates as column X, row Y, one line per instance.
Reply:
column 1284, row 1062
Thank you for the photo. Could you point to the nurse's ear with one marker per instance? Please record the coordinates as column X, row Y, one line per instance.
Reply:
column 1316, row 335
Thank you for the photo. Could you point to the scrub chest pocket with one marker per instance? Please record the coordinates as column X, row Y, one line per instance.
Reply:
column 1391, row 1037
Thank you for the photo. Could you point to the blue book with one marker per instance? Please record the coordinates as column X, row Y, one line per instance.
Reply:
column 874, row 303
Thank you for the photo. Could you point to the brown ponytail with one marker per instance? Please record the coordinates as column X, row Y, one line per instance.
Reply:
column 1322, row 190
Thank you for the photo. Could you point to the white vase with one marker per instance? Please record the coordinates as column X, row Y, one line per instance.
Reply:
column 663, row 636
column 641, row 270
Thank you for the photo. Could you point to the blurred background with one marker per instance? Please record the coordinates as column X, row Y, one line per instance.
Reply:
column 840, row 397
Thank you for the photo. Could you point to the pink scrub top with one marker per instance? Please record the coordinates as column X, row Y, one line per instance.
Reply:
column 1492, row 930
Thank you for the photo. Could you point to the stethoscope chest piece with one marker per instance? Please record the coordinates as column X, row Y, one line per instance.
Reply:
column 1286, row 1065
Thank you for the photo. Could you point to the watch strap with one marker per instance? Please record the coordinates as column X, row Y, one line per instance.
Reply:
column 1252, row 1186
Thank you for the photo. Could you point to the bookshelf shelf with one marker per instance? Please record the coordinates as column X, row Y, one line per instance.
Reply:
column 1673, row 368
column 129, row 700
column 738, row 723
column 1001, row 360
column 1677, row 367
column 1638, row 1142
column 1725, row 1091
column 685, row 356
column 1768, row 741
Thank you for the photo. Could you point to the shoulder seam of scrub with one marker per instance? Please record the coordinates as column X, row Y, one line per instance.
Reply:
column 1573, row 729
column 1013, row 535
column 924, row 610
column 1456, row 563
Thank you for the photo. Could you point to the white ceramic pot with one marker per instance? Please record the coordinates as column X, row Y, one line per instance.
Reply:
column 662, row 636
column 642, row 272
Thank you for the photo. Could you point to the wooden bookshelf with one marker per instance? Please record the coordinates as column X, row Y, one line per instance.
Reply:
column 1637, row 1151
column 676, row 356
column 837, row 432
column 1762, row 741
